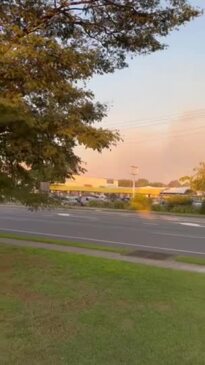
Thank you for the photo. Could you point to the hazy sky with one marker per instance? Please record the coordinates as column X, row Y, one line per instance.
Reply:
column 158, row 103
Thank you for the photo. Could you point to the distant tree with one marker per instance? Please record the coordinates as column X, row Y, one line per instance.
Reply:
column 48, row 50
column 174, row 184
column 157, row 184
column 185, row 180
column 198, row 179
column 125, row 183
column 128, row 183
column 142, row 182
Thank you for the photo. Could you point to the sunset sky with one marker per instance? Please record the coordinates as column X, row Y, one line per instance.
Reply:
column 158, row 104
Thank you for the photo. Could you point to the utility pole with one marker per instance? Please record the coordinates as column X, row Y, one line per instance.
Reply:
column 134, row 173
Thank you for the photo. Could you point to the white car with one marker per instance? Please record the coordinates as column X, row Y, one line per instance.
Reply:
column 85, row 199
column 197, row 203
column 72, row 200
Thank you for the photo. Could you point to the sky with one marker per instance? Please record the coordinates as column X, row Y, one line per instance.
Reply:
column 158, row 104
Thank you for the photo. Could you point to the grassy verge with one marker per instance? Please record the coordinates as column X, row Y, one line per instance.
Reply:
column 122, row 251
column 58, row 308
column 191, row 260
column 166, row 212
column 65, row 243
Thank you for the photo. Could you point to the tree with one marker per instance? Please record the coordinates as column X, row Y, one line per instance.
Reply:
column 128, row 183
column 125, row 183
column 157, row 184
column 198, row 180
column 142, row 182
column 174, row 184
column 48, row 50
column 185, row 180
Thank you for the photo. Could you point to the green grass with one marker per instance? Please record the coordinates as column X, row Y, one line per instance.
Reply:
column 58, row 308
column 191, row 260
column 65, row 243
column 166, row 212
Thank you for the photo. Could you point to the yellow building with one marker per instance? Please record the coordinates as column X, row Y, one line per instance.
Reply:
column 85, row 184
column 92, row 182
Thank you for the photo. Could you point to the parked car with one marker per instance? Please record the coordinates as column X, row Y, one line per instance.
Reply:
column 156, row 202
column 85, row 199
column 126, row 199
column 70, row 200
column 197, row 203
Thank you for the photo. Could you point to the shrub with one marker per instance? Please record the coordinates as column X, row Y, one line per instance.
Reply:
column 108, row 204
column 178, row 200
column 97, row 204
column 186, row 209
column 120, row 205
column 202, row 209
column 141, row 202
column 159, row 208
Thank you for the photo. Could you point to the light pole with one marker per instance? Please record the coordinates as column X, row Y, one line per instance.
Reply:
column 134, row 173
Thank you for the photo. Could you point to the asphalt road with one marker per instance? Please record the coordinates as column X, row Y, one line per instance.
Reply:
column 180, row 235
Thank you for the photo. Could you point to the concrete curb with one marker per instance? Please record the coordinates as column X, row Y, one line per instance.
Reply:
column 106, row 255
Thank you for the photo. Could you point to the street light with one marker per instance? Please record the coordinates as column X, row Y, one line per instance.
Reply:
column 134, row 173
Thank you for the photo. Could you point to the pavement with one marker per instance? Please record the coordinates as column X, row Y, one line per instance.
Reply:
column 152, row 232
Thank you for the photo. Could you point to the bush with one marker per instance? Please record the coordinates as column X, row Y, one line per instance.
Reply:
column 179, row 204
column 141, row 202
column 120, row 205
column 183, row 209
column 108, row 204
column 202, row 209
column 96, row 204
column 159, row 208
column 178, row 200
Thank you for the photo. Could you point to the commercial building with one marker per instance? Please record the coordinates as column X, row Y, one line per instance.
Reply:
column 81, row 184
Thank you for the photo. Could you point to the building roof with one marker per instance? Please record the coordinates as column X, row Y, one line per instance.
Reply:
column 181, row 190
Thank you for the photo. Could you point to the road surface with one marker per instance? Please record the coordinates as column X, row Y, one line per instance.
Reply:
column 179, row 235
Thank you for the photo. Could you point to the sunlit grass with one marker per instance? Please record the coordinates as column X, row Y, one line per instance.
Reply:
column 58, row 308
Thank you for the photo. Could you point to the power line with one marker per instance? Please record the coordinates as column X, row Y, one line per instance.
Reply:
column 193, row 131
column 153, row 124
column 170, row 132
column 166, row 116
column 171, row 135
column 157, row 121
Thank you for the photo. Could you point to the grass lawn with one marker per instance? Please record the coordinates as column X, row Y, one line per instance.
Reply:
column 91, row 246
column 58, row 308
column 191, row 260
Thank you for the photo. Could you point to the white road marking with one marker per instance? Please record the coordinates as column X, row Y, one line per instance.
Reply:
column 190, row 224
column 170, row 219
column 178, row 235
column 150, row 224
column 64, row 214
column 76, row 217
column 96, row 240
